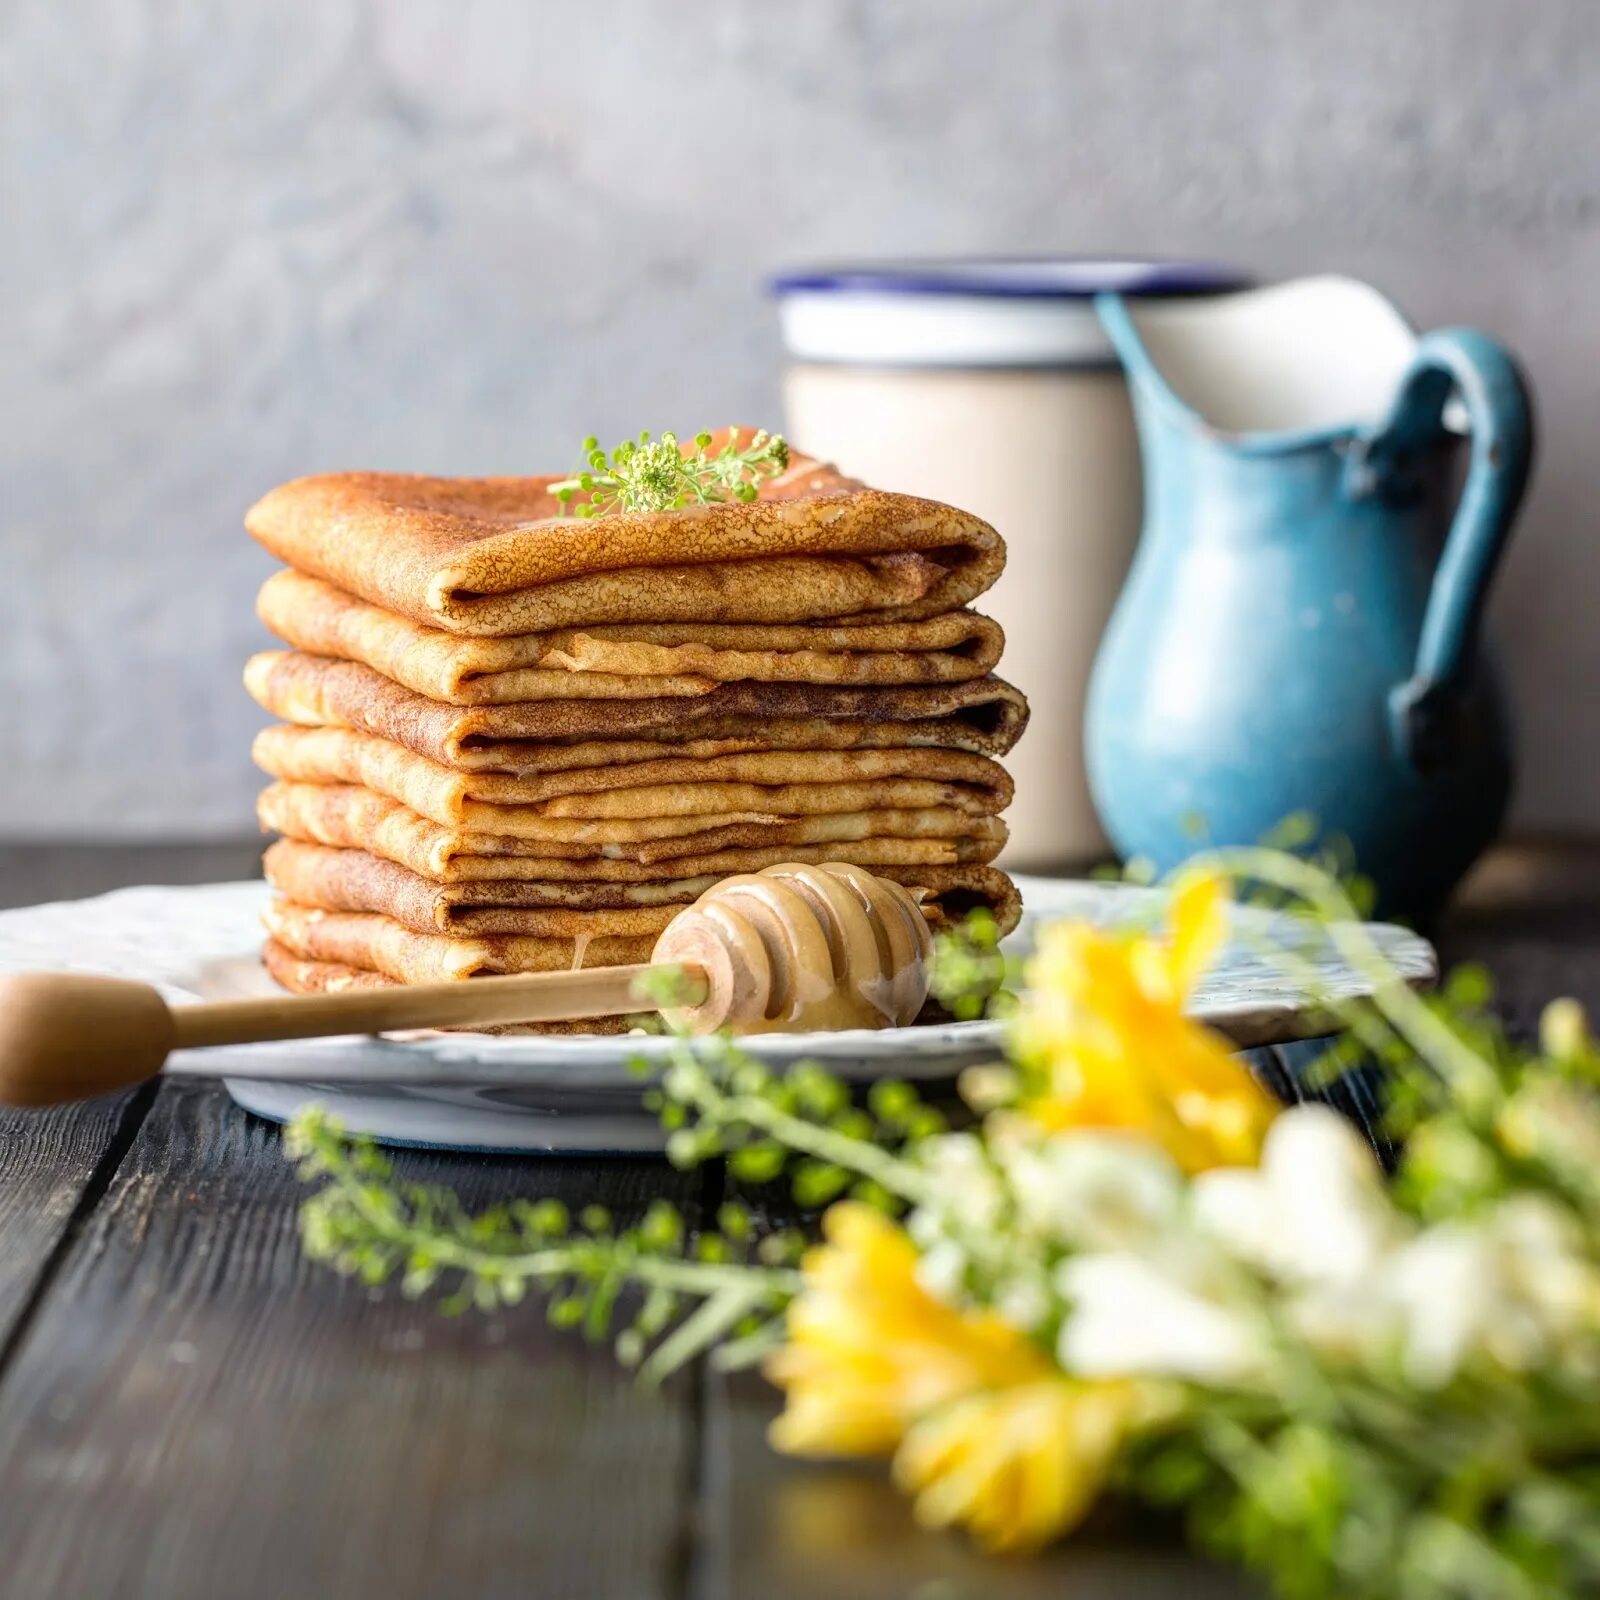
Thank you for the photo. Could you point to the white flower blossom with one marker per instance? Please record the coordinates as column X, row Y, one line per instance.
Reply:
column 1314, row 1211
column 963, row 1183
column 1025, row 1302
column 1129, row 1318
column 941, row 1270
column 1513, row 1288
column 1093, row 1191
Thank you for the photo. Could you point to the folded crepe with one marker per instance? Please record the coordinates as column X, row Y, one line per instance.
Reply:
column 314, row 978
column 985, row 716
column 374, row 942
column 351, row 817
column 494, row 556
column 380, row 944
column 300, row 976
column 686, row 797
column 352, row 880
column 621, row 661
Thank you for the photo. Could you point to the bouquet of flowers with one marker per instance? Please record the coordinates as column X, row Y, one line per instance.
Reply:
column 1133, row 1273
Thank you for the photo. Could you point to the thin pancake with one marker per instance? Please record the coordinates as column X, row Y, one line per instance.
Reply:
column 985, row 716
column 380, row 944
column 350, row 817
column 353, row 880
column 492, row 556
column 623, row 661
column 329, row 977
column 650, row 801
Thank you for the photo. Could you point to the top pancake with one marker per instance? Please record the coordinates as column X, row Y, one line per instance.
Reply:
column 493, row 556
column 621, row 661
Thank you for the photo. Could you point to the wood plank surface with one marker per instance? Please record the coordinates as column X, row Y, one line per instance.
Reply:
column 197, row 1412
column 780, row 1529
column 53, row 1166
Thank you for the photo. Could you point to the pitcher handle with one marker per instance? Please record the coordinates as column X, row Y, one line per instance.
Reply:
column 1500, row 414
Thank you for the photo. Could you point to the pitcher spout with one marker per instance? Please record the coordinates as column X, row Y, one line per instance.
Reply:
column 1269, row 369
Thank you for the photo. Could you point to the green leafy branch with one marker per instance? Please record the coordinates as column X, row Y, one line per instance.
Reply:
column 716, row 1100
column 724, row 1288
column 971, row 976
column 661, row 475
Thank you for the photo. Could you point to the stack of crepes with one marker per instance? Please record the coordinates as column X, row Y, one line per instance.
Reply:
column 512, row 740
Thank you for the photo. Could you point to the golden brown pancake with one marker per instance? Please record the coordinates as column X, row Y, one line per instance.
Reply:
column 349, row 816
column 492, row 557
column 330, row 977
column 354, row 880
column 380, row 944
column 768, row 785
column 985, row 716
column 621, row 661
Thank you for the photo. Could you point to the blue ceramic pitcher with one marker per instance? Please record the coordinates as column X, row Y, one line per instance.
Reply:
column 1300, row 629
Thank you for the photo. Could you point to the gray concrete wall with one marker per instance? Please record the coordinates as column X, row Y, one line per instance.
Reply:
column 240, row 242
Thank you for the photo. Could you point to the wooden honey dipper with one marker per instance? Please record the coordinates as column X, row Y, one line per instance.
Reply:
column 793, row 948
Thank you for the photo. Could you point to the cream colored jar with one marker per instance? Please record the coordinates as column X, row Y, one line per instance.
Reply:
column 990, row 385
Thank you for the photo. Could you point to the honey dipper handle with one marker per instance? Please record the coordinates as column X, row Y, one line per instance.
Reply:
column 66, row 1036
column 479, row 1002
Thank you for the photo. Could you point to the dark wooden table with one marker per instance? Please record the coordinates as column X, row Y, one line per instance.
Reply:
column 189, row 1410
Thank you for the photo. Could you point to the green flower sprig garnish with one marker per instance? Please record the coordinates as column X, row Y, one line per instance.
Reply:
column 660, row 475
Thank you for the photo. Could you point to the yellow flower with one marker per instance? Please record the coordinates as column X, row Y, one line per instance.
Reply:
column 989, row 1433
column 1103, row 1021
column 1017, row 1466
column 870, row 1351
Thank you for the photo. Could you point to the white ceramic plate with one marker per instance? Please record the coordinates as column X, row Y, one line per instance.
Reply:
column 576, row 1094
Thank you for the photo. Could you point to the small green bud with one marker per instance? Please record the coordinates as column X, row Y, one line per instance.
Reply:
column 566, row 1312
column 1564, row 1030
column 892, row 1102
column 662, row 1228
column 817, row 1183
column 779, row 1249
column 749, row 1077
column 683, row 1148
column 757, row 1163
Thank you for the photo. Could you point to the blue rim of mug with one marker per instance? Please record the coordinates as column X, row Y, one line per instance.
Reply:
column 1017, row 277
